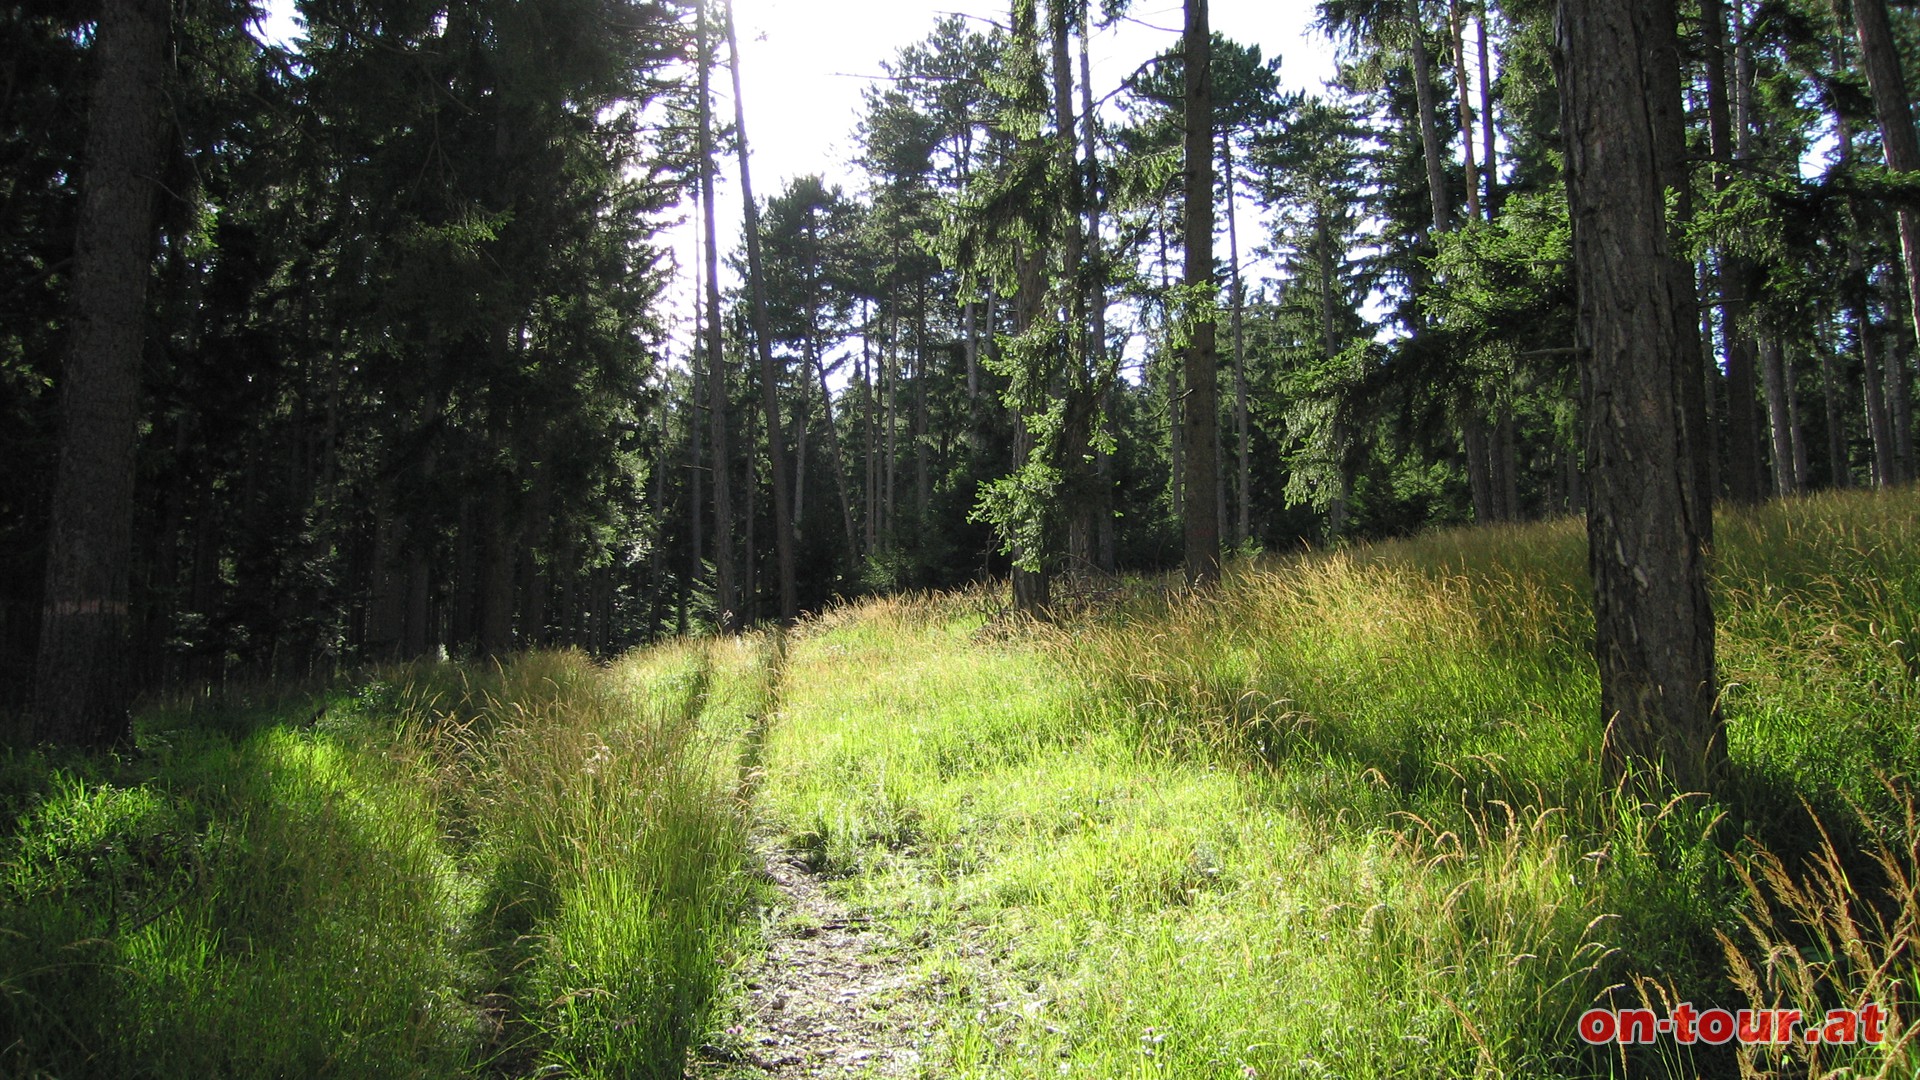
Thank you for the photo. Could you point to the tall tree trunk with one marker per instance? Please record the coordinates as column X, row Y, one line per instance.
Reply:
column 696, row 483
column 1490, row 164
column 1330, row 347
column 726, row 590
column 1079, row 384
column 1200, row 421
column 1742, row 442
column 1105, row 552
column 769, row 380
column 1430, row 145
column 1243, row 523
column 81, row 693
column 871, row 490
column 1653, row 615
column 922, row 479
column 1891, row 105
column 1176, row 438
column 1465, row 93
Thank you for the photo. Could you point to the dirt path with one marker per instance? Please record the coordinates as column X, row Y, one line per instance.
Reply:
column 835, row 995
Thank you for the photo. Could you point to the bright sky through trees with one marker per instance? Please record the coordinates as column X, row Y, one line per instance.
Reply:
column 806, row 64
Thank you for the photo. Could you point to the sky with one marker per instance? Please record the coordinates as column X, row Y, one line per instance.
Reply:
column 804, row 64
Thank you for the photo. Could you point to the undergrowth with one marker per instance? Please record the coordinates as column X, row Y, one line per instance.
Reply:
column 528, row 868
column 1344, row 815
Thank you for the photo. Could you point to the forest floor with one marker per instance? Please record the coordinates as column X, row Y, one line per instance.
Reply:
column 1342, row 816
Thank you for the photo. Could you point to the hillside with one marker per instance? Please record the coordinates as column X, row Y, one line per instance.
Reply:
column 1342, row 817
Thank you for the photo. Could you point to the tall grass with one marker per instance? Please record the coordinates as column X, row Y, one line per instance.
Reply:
column 453, row 870
column 1344, row 815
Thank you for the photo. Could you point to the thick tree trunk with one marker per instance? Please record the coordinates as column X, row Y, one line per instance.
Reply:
column 769, row 381
column 81, row 681
column 726, row 590
column 1200, row 419
column 1653, row 615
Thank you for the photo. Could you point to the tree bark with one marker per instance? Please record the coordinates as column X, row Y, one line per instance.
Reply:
column 1742, row 442
column 1105, row 549
column 82, row 690
column 1430, row 146
column 1888, row 84
column 1773, row 363
column 1839, row 469
column 1653, row 615
column 1465, row 85
column 1200, row 419
column 1243, row 521
column 769, row 381
column 726, row 590
column 1489, row 164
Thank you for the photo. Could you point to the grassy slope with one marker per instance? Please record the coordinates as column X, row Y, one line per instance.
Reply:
column 1344, row 818
column 1341, row 818
column 454, row 871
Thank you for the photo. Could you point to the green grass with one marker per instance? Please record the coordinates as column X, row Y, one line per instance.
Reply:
column 1344, row 817
column 454, row 870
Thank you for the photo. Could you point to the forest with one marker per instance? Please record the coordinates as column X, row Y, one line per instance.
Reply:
column 1455, row 525
column 405, row 385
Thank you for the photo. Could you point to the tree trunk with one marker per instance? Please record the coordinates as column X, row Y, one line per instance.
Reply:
column 1881, row 58
column 1430, row 146
column 1489, row 164
column 1465, row 93
column 769, row 381
column 81, row 692
column 1900, row 406
column 696, row 483
column 726, row 590
column 1243, row 523
column 1105, row 553
column 1839, row 469
column 1742, row 442
column 839, row 464
column 1773, row 364
column 1200, row 420
column 922, row 479
column 1653, row 615
column 494, row 624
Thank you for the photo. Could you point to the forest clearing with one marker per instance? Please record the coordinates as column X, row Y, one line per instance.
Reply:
column 1130, row 558
column 1345, row 818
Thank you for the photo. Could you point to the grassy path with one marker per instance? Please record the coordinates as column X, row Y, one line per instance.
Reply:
column 1340, row 819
